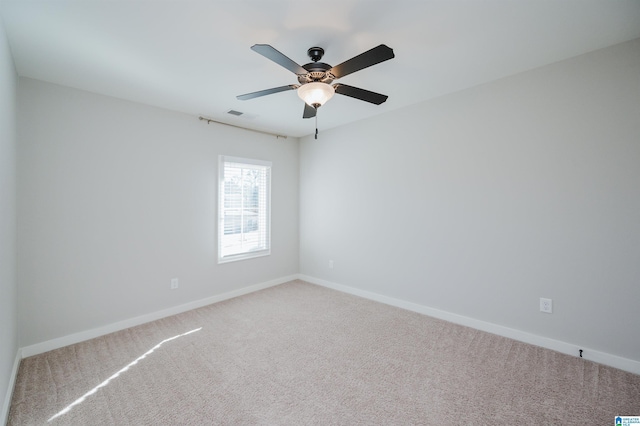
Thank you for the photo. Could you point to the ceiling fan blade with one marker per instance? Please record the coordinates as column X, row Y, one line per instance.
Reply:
column 363, row 95
column 370, row 57
column 270, row 53
column 309, row 111
column 266, row 92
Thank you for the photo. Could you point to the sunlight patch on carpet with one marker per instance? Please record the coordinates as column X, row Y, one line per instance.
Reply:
column 116, row 374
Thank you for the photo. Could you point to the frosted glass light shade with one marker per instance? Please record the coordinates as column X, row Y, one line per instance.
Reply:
column 316, row 93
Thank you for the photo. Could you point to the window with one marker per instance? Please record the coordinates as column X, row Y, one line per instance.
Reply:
column 243, row 209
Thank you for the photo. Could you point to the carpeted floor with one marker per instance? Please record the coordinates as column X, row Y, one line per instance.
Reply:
column 299, row 354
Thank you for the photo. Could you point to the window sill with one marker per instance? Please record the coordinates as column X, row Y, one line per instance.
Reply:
column 243, row 256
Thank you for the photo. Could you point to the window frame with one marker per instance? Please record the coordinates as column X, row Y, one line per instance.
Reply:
column 250, row 163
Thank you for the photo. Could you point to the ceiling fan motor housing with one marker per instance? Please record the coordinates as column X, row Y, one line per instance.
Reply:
column 317, row 72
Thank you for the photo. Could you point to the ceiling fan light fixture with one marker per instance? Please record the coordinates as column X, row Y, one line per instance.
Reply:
column 316, row 94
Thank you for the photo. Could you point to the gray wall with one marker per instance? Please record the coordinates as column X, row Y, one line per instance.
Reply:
column 8, row 279
column 483, row 201
column 116, row 198
column 476, row 203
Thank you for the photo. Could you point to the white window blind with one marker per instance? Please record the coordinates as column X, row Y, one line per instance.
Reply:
column 243, row 208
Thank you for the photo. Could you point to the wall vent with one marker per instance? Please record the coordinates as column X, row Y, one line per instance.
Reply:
column 233, row 112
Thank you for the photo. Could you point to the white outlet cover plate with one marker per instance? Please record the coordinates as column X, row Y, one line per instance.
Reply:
column 546, row 305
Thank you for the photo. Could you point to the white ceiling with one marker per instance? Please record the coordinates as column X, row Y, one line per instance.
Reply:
column 194, row 56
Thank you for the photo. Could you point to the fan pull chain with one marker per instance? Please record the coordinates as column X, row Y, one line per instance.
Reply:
column 316, row 123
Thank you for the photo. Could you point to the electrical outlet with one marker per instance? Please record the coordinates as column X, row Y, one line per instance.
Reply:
column 331, row 264
column 174, row 283
column 546, row 305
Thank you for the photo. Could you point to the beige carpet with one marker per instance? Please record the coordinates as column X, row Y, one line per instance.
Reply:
column 299, row 354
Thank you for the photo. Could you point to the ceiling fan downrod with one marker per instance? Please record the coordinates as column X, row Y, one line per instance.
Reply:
column 315, row 53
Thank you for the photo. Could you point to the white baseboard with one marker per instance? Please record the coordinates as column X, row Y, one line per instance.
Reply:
column 6, row 406
column 60, row 342
column 625, row 364
column 522, row 336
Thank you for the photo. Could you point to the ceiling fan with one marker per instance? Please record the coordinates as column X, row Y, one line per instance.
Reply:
column 315, row 78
